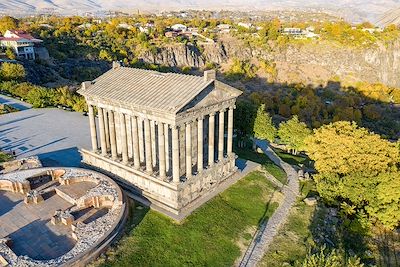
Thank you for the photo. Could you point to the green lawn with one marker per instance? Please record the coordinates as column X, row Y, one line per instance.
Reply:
column 208, row 237
column 249, row 154
column 4, row 157
column 292, row 159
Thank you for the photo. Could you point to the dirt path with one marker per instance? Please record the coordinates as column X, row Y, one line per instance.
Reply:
column 270, row 228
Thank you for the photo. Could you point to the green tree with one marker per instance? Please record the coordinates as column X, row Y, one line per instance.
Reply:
column 293, row 134
column 344, row 148
column 334, row 258
column 11, row 71
column 104, row 54
column 263, row 126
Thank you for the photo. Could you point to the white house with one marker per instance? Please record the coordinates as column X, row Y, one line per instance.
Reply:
column 372, row 30
column 125, row 26
column 179, row 27
column 22, row 43
column 298, row 33
column 84, row 26
column 245, row 25
column 292, row 31
column 224, row 28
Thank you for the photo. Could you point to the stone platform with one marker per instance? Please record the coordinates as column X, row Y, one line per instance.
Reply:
column 57, row 216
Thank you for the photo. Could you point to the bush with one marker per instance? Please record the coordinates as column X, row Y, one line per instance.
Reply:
column 334, row 258
column 11, row 71
column 41, row 97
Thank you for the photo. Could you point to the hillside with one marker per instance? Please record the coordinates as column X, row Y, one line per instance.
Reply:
column 355, row 10
column 308, row 64
column 390, row 17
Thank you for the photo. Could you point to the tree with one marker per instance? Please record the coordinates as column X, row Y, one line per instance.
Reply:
column 263, row 126
column 8, row 23
column 334, row 258
column 10, row 53
column 11, row 71
column 358, row 171
column 343, row 148
column 104, row 54
column 244, row 121
column 293, row 134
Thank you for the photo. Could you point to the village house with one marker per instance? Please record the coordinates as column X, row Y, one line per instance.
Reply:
column 298, row 33
column 179, row 27
column 23, row 44
column 224, row 28
column 372, row 30
column 245, row 25
column 125, row 26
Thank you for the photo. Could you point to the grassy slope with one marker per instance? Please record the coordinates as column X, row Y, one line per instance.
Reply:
column 293, row 240
column 4, row 157
column 261, row 158
column 208, row 237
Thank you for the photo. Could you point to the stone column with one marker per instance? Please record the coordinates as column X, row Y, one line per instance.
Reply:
column 153, row 143
column 175, row 154
column 200, row 145
column 147, row 140
column 230, row 131
column 161, row 150
column 211, row 126
column 113, row 137
column 188, row 150
column 93, row 133
column 103, row 143
column 221, row 135
column 124, row 141
column 141, row 141
column 166, row 135
column 107, row 129
column 135, row 143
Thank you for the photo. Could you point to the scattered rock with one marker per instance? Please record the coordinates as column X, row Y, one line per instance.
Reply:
column 310, row 201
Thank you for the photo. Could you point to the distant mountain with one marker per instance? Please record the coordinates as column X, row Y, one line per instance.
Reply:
column 354, row 10
column 390, row 17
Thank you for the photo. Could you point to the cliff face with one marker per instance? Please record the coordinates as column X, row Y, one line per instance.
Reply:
column 313, row 63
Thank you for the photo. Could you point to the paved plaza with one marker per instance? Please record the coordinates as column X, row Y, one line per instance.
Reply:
column 30, row 229
column 54, row 135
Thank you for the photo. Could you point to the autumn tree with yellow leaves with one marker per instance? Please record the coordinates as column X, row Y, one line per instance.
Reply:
column 357, row 169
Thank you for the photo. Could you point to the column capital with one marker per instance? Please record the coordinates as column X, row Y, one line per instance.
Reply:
column 222, row 110
column 174, row 127
column 232, row 107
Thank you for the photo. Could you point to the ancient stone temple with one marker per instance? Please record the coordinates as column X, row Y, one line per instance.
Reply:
column 165, row 136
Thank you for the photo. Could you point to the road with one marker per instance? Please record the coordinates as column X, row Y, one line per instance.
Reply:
column 52, row 134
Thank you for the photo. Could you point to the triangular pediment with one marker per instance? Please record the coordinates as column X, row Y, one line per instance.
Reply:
column 215, row 93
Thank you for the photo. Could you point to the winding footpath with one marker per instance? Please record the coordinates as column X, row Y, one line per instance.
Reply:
column 270, row 228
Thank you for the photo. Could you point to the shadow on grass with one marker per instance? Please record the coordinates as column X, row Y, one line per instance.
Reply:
column 261, row 158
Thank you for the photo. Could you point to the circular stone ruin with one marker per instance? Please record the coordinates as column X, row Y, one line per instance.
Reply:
column 57, row 216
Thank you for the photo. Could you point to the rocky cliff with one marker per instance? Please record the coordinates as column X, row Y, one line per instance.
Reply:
column 313, row 63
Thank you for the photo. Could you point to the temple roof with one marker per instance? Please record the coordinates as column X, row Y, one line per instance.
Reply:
column 166, row 92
